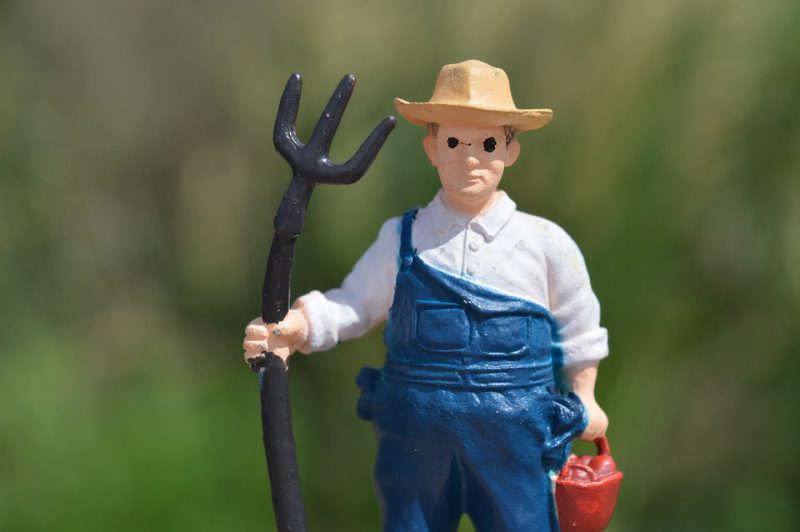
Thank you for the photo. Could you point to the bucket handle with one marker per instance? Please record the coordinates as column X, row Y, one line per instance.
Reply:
column 602, row 445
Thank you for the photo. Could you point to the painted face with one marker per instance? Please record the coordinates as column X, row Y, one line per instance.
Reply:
column 470, row 160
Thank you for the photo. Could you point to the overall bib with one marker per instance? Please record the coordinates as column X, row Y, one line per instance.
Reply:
column 465, row 409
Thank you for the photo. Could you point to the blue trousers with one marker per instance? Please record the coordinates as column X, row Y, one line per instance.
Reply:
column 487, row 453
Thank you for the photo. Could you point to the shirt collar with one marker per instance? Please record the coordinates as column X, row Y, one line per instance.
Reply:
column 488, row 224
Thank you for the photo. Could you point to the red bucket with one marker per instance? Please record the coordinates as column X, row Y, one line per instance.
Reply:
column 586, row 490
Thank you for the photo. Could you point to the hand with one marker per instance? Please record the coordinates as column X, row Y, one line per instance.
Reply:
column 283, row 338
column 598, row 421
column 582, row 378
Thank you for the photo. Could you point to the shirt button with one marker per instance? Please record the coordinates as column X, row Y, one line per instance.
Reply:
column 473, row 246
column 472, row 269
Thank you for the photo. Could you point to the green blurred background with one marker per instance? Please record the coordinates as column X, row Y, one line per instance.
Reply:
column 138, row 184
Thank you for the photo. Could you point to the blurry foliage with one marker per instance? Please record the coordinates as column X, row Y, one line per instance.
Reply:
column 138, row 183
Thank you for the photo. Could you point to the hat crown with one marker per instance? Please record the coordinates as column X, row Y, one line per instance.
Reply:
column 475, row 84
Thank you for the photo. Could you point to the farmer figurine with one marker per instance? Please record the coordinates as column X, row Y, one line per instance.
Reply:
column 493, row 332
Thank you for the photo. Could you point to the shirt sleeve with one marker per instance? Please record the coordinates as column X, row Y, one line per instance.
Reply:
column 573, row 303
column 361, row 302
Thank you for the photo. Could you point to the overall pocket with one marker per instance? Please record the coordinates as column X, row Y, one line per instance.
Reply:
column 367, row 380
column 503, row 335
column 441, row 327
column 567, row 421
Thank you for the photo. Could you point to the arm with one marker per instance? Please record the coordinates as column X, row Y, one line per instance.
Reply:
column 318, row 321
column 361, row 302
column 577, row 311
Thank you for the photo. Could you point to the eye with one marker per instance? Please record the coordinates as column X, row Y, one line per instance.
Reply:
column 452, row 142
column 489, row 144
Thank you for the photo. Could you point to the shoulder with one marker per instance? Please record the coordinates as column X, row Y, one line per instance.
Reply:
column 557, row 245
column 389, row 234
column 383, row 251
column 547, row 231
column 390, row 227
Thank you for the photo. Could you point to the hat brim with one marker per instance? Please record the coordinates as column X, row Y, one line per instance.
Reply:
column 424, row 113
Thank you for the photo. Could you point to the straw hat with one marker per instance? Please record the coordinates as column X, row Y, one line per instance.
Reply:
column 472, row 93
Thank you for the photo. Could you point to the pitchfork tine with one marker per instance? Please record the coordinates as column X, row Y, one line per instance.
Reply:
column 357, row 165
column 284, row 136
column 321, row 138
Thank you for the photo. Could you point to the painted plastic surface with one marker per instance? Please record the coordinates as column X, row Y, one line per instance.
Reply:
column 586, row 490
column 466, row 422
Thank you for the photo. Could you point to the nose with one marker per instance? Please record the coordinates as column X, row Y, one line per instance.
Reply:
column 472, row 153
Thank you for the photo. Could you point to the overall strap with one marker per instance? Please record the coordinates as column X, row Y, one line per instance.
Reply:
column 406, row 249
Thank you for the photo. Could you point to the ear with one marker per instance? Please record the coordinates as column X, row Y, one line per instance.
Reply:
column 512, row 152
column 429, row 143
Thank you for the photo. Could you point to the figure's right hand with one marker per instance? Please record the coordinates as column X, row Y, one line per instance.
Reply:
column 283, row 338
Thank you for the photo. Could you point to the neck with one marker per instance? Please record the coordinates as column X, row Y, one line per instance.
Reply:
column 469, row 208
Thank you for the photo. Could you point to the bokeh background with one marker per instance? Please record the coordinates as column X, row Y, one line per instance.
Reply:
column 138, row 184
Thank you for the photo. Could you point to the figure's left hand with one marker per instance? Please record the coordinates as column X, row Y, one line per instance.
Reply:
column 598, row 420
column 581, row 378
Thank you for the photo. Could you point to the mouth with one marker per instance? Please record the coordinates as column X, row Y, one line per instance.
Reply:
column 471, row 181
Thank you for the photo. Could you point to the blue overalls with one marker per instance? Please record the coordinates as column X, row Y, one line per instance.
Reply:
column 465, row 408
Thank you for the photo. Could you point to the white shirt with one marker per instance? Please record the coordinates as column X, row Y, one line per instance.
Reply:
column 503, row 249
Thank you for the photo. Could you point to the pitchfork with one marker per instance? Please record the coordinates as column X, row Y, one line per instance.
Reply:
column 310, row 166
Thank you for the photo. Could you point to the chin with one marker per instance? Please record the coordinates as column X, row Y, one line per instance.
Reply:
column 474, row 189
column 471, row 194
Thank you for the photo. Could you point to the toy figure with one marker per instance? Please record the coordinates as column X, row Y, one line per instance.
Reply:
column 493, row 337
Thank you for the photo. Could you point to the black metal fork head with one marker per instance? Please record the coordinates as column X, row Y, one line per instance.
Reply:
column 310, row 161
